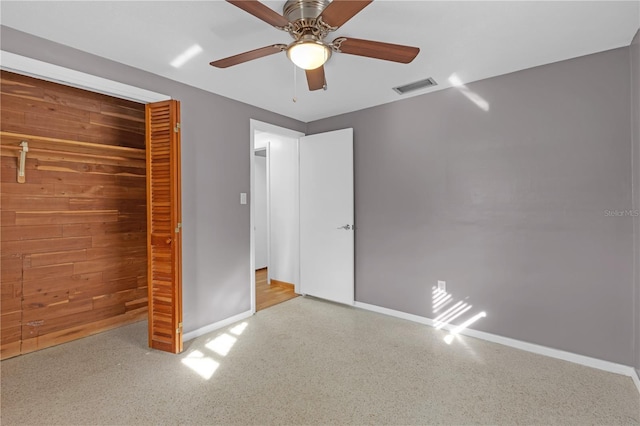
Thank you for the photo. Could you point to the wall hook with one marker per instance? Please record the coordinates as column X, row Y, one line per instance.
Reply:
column 22, row 161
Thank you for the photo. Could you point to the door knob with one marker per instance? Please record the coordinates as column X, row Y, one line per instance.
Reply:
column 345, row 227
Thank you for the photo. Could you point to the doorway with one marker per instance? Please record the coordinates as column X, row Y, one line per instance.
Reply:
column 274, row 206
column 310, row 214
column 268, row 293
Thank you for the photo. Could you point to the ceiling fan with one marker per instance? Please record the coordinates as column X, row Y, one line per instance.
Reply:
column 309, row 22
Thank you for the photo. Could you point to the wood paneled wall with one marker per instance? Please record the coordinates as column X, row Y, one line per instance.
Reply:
column 73, row 254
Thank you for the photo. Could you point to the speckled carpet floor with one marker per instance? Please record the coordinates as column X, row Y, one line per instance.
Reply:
column 307, row 361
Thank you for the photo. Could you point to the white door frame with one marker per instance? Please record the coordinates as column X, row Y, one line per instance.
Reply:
column 255, row 125
column 268, row 179
column 266, row 149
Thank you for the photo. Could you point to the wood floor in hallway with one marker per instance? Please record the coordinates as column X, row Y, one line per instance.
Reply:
column 268, row 295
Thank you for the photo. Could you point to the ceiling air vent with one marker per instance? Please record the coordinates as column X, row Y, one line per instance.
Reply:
column 416, row 85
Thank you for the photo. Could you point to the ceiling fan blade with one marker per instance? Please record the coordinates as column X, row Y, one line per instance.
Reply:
column 248, row 56
column 376, row 49
column 261, row 11
column 340, row 11
column 315, row 78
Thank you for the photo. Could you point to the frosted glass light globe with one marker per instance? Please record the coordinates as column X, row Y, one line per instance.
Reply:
column 308, row 55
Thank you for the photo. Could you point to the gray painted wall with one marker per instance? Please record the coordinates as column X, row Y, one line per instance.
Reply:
column 507, row 205
column 215, row 170
column 635, row 120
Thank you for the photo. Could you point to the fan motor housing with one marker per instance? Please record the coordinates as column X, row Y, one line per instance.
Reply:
column 303, row 9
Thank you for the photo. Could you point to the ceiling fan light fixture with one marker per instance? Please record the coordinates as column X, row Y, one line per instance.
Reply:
column 308, row 54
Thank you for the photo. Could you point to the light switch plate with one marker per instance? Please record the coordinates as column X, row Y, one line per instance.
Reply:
column 243, row 198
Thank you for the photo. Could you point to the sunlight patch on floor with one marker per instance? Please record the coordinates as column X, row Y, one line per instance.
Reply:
column 221, row 344
column 201, row 364
column 205, row 365
column 238, row 329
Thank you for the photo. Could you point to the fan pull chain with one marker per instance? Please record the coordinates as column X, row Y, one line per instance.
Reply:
column 295, row 85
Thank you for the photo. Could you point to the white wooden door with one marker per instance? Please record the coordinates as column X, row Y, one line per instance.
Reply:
column 326, row 216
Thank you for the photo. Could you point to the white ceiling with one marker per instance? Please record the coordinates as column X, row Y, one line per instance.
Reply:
column 473, row 40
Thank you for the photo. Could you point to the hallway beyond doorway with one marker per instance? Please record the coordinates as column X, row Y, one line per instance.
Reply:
column 268, row 295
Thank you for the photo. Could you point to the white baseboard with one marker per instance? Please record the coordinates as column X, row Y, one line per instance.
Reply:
column 394, row 313
column 215, row 326
column 635, row 375
column 518, row 344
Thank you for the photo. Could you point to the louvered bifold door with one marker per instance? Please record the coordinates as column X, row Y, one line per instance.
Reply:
column 164, row 243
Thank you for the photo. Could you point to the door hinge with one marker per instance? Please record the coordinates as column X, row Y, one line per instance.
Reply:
column 176, row 129
column 178, row 227
column 179, row 329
